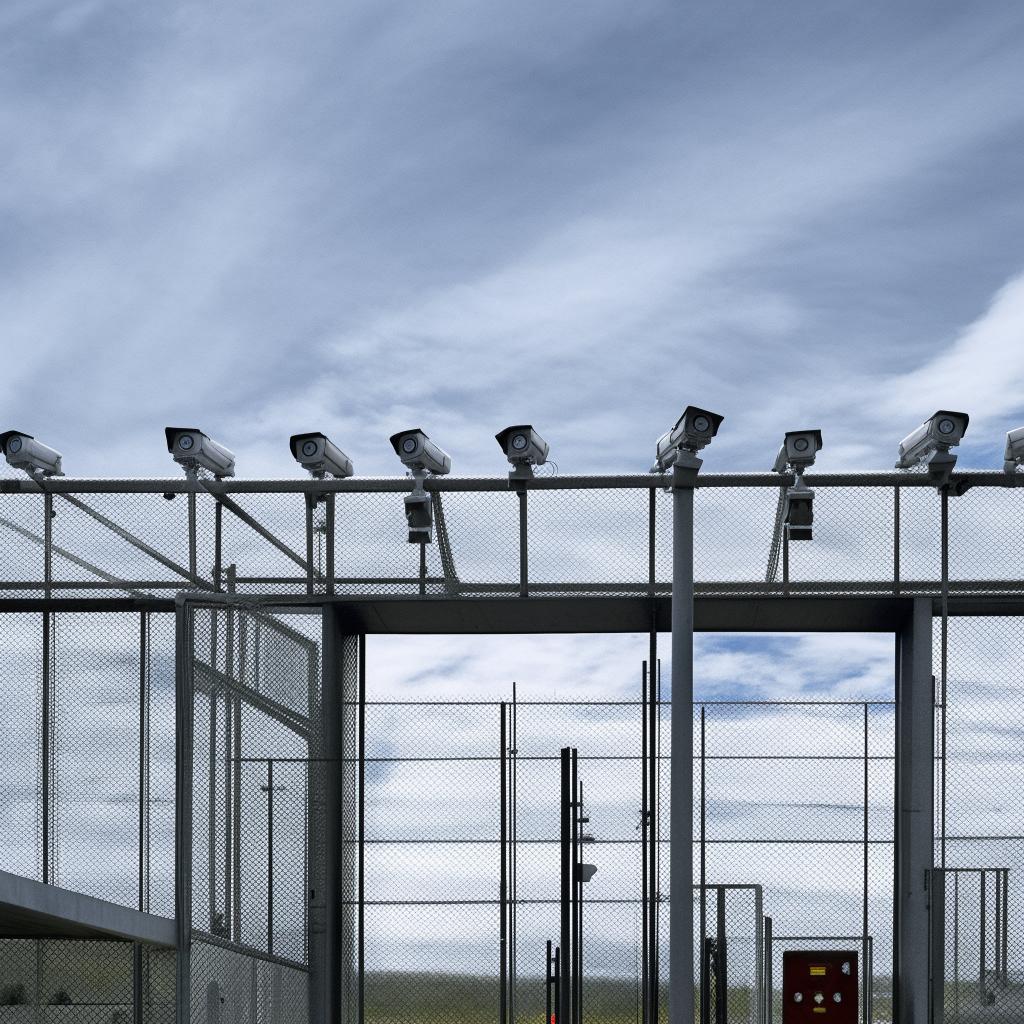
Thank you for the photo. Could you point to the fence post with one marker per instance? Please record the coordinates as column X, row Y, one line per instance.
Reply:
column 183, row 809
column 684, row 478
column 915, row 813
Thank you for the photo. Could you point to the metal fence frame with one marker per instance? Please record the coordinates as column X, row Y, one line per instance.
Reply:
column 441, row 603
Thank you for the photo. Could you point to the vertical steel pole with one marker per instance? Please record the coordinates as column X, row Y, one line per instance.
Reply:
column 48, row 545
column 547, row 984
column 361, row 825
column 218, row 543
column 915, row 814
column 513, row 937
column 575, row 965
column 937, row 942
column 46, row 732
column 503, row 872
column 721, row 960
column 705, row 982
column 684, row 477
column 310, row 508
column 328, row 912
column 192, row 557
column 138, row 1012
column 645, row 1001
column 270, row 855
column 896, row 540
column 524, row 548
column 565, row 890
column 864, row 912
column 183, row 809
column 558, row 1018
column 653, row 805
column 143, row 755
column 943, row 655
column 329, row 541
column 1006, row 920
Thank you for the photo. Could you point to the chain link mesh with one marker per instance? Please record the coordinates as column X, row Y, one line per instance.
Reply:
column 83, row 981
column 868, row 538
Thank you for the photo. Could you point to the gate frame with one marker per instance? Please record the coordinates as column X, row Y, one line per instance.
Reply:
column 908, row 619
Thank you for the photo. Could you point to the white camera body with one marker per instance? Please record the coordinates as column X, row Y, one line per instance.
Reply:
column 316, row 453
column 23, row 451
column 191, row 448
column 523, row 446
column 419, row 453
column 936, row 435
column 1013, row 456
column 798, row 451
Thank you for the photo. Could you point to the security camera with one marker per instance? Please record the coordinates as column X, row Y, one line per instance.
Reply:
column 419, row 453
column 191, row 448
column 23, row 451
column 1013, row 456
column 937, row 434
column 692, row 431
column 523, row 447
column 316, row 453
column 798, row 451
column 931, row 442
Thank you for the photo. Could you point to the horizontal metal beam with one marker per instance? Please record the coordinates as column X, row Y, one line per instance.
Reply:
column 570, row 613
column 31, row 909
column 403, row 484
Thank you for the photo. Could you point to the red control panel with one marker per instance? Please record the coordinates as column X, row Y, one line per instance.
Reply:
column 819, row 985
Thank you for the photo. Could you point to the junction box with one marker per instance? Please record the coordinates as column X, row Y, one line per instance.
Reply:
column 819, row 985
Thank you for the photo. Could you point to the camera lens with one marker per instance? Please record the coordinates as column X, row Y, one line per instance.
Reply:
column 409, row 445
column 519, row 442
column 701, row 423
column 185, row 442
column 801, row 444
column 14, row 445
column 946, row 425
column 309, row 448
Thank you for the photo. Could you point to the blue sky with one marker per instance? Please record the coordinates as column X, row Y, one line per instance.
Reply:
column 362, row 217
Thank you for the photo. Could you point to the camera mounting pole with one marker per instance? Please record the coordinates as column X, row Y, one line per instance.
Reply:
column 683, row 479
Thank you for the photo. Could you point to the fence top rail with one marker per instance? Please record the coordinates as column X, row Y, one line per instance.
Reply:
column 369, row 485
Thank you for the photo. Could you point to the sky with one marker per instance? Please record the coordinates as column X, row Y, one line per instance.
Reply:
column 261, row 219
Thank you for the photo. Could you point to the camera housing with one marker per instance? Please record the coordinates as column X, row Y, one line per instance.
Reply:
column 23, row 451
column 938, row 433
column 419, row 453
column 191, row 448
column 798, row 451
column 523, row 447
column 692, row 432
column 1013, row 456
column 316, row 453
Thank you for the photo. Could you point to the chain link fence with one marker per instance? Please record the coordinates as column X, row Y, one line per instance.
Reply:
column 80, row 981
column 872, row 535
column 979, row 849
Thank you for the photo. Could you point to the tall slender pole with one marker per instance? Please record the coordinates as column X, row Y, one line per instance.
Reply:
column 45, row 751
column 653, row 796
column 705, row 1001
column 547, row 984
column 645, row 1002
column 503, row 872
column 183, row 809
column 684, row 477
column 574, row 876
column 564, row 1005
column 270, row 855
